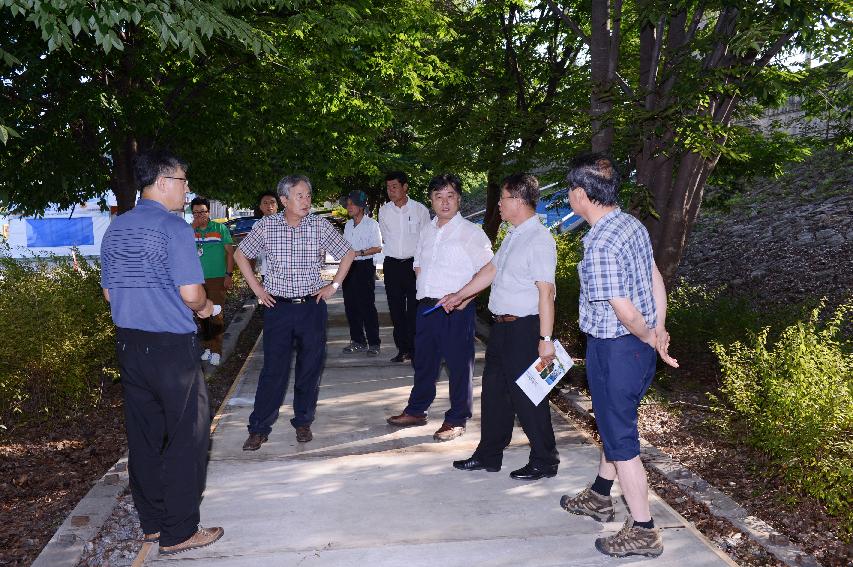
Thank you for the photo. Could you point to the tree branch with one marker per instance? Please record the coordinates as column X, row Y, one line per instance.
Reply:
column 623, row 84
column 511, row 58
column 615, row 38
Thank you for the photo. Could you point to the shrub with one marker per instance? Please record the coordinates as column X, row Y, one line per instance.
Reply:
column 57, row 342
column 569, row 254
column 697, row 316
column 795, row 399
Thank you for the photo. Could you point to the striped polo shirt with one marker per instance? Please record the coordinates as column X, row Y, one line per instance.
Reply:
column 146, row 254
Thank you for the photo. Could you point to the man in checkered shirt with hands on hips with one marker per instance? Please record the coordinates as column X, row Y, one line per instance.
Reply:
column 295, row 244
column 622, row 312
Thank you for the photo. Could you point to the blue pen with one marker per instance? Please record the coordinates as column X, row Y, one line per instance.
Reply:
column 430, row 310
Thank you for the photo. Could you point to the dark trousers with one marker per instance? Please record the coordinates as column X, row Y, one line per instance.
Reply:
column 289, row 327
column 447, row 336
column 401, row 290
column 168, row 429
column 619, row 372
column 360, row 303
column 513, row 346
column 211, row 329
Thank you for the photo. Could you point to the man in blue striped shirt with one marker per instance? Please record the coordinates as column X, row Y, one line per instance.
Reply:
column 622, row 312
column 152, row 278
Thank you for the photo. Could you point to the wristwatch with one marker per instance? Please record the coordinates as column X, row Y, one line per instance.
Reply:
column 547, row 338
column 229, row 274
column 336, row 285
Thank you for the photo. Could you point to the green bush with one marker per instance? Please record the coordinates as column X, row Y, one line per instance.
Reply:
column 569, row 253
column 698, row 316
column 795, row 399
column 57, row 341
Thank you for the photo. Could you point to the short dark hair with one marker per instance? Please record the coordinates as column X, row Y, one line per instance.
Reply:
column 597, row 176
column 150, row 165
column 274, row 195
column 439, row 182
column 200, row 201
column 523, row 186
column 397, row 176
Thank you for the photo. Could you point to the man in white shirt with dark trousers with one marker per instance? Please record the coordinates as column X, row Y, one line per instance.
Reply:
column 450, row 251
column 362, row 233
column 401, row 221
column 522, row 304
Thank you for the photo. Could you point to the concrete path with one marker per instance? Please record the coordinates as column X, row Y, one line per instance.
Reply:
column 365, row 493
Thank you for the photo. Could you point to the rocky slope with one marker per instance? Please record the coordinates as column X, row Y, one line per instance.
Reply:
column 784, row 240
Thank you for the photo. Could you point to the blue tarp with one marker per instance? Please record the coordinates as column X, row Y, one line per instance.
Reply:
column 44, row 233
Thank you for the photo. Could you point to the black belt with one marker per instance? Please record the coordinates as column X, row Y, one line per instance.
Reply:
column 163, row 338
column 398, row 259
column 429, row 300
column 295, row 300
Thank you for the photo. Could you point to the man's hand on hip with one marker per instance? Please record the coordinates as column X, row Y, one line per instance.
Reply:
column 325, row 292
column 264, row 298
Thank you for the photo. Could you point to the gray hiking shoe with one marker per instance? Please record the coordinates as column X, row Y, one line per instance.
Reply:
column 590, row 503
column 373, row 350
column 631, row 540
column 354, row 347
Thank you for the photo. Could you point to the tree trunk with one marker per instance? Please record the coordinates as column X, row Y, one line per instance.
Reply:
column 492, row 220
column 677, row 194
column 604, row 52
column 122, row 182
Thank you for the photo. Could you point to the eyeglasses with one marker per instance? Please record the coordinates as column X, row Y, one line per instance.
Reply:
column 184, row 179
column 199, row 213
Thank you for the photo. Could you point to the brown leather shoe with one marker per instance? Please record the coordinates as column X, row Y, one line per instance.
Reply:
column 254, row 442
column 448, row 431
column 406, row 420
column 201, row 538
column 303, row 434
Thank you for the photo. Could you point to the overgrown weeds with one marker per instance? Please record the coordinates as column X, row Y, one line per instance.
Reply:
column 57, row 343
column 793, row 398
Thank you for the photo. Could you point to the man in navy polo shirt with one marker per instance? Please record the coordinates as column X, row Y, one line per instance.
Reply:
column 623, row 313
column 152, row 278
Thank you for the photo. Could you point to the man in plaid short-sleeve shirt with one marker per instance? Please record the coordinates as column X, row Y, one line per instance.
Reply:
column 622, row 312
column 295, row 244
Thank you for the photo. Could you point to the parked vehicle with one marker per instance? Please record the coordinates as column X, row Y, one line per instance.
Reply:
column 240, row 227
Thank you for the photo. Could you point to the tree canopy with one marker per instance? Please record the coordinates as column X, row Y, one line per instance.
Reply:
column 298, row 87
column 343, row 91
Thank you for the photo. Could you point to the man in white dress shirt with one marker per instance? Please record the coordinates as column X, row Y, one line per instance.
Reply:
column 522, row 304
column 450, row 251
column 362, row 233
column 401, row 221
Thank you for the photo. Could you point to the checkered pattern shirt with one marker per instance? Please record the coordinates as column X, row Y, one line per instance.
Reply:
column 294, row 256
column 617, row 262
